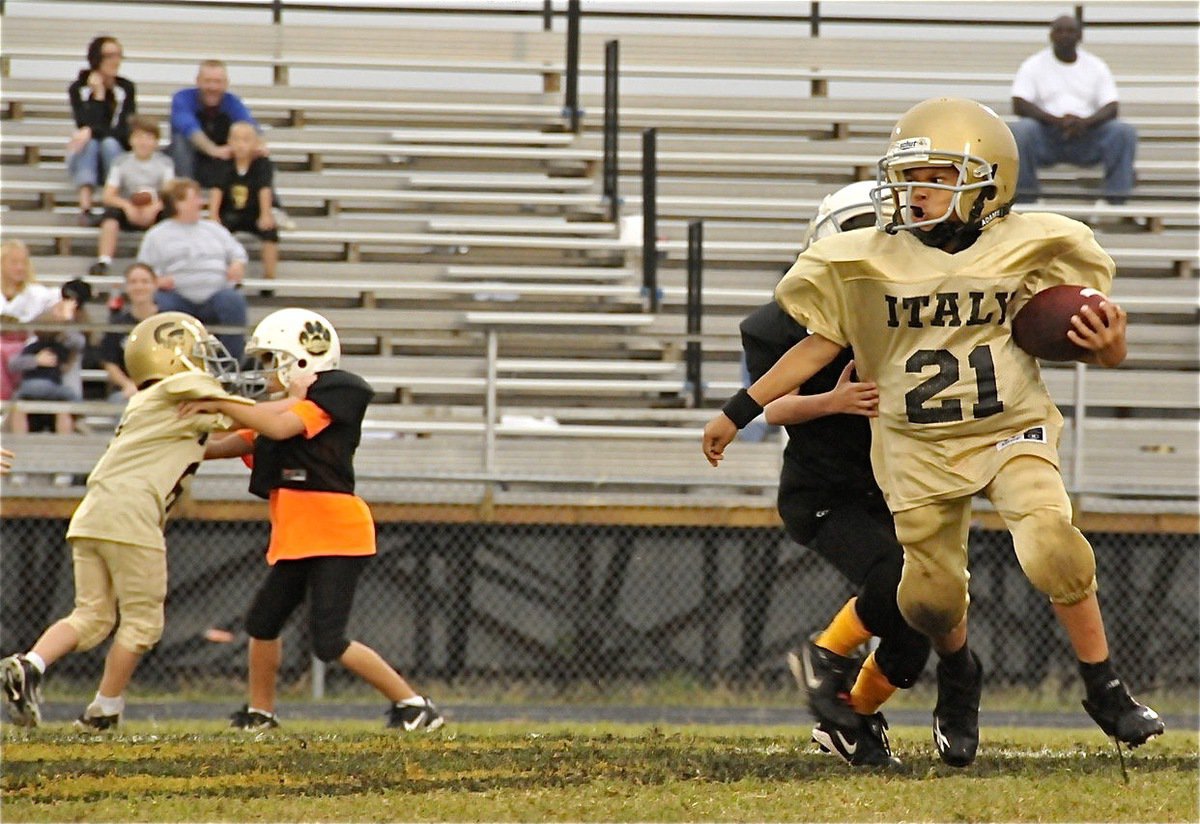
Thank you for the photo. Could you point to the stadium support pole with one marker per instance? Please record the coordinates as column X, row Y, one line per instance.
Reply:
column 318, row 678
column 710, row 620
column 571, row 106
column 814, row 19
column 547, row 15
column 695, row 309
column 276, row 11
column 611, row 129
column 650, row 219
column 1077, row 427
column 489, row 412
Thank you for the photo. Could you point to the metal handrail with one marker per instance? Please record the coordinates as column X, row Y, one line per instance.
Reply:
column 541, row 11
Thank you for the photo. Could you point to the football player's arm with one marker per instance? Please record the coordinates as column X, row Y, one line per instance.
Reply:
column 1104, row 338
column 797, row 365
column 848, row 397
column 272, row 422
column 227, row 445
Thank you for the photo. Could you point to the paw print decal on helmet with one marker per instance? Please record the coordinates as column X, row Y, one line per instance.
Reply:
column 315, row 338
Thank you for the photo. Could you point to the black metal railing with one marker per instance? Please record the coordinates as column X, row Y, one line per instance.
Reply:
column 650, row 292
column 571, row 104
column 611, row 129
column 695, row 311
column 546, row 11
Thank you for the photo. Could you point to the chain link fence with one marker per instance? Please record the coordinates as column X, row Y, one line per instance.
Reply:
column 556, row 605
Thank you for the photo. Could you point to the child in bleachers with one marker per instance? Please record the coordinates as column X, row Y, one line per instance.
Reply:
column 131, row 196
column 242, row 199
column 42, row 364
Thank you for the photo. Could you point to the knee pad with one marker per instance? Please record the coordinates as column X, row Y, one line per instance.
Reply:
column 930, row 603
column 901, row 656
column 141, row 627
column 1055, row 556
column 93, row 626
column 932, row 594
column 876, row 605
column 329, row 647
column 262, row 628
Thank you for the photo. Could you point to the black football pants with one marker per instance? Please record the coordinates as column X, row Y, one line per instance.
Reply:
column 329, row 583
column 858, row 537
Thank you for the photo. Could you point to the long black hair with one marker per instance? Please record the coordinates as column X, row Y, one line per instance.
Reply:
column 95, row 49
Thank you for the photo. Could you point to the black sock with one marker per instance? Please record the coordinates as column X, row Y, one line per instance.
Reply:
column 960, row 661
column 1097, row 677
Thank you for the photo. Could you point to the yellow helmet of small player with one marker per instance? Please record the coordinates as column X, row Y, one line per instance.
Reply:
column 948, row 131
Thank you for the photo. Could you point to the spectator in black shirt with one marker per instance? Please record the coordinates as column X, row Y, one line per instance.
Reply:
column 102, row 103
column 133, row 305
column 242, row 197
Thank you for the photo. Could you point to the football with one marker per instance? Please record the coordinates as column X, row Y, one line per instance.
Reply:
column 142, row 197
column 1040, row 328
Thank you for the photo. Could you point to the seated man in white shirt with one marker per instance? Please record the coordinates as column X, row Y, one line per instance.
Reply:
column 1067, row 101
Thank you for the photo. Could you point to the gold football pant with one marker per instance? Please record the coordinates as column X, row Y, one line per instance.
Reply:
column 110, row 575
column 1029, row 495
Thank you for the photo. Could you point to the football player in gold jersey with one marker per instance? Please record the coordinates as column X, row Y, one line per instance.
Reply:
column 926, row 300
column 116, row 534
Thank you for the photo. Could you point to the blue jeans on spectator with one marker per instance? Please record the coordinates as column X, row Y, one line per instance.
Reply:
column 225, row 307
column 1113, row 143
column 183, row 153
column 89, row 166
column 44, row 389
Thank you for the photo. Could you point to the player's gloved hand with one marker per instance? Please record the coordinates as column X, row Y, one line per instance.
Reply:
column 854, row 397
column 718, row 434
column 1102, row 335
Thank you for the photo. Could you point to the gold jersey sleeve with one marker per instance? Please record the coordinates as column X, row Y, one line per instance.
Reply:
column 148, row 463
column 958, row 398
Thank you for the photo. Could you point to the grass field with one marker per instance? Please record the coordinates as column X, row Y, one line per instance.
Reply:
column 519, row 771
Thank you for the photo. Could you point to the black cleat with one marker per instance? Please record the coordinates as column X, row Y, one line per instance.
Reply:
column 956, row 714
column 1123, row 718
column 825, row 678
column 865, row 745
column 248, row 720
column 20, row 682
column 410, row 718
column 90, row 722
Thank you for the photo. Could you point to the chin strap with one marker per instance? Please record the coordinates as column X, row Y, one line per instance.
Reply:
column 954, row 237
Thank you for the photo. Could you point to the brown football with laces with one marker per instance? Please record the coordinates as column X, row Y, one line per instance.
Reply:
column 1040, row 328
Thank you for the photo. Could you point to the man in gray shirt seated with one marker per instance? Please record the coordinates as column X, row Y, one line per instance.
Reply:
column 199, row 264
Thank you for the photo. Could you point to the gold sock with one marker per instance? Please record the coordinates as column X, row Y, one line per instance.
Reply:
column 845, row 631
column 871, row 689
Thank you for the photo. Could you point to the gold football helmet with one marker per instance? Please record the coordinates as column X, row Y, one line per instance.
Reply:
column 948, row 131
column 172, row 342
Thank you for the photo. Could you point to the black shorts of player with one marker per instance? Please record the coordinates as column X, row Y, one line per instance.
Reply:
column 244, row 222
column 112, row 213
column 328, row 582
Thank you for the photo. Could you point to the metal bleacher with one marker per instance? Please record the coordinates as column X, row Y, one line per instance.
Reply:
column 432, row 226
